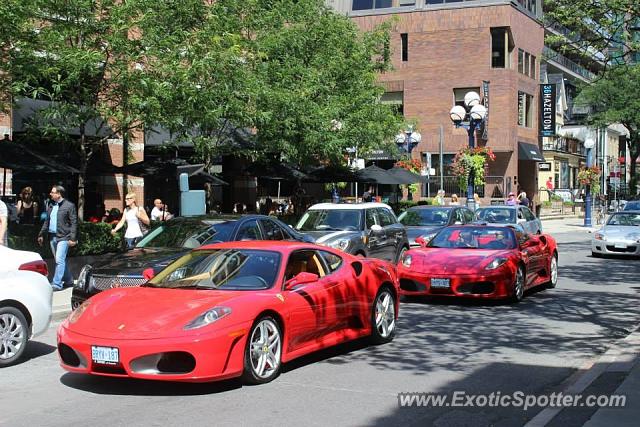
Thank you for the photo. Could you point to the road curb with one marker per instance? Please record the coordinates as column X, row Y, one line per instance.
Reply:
column 620, row 357
column 60, row 314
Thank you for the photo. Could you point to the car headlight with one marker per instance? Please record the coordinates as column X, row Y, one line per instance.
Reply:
column 208, row 317
column 599, row 236
column 82, row 277
column 406, row 260
column 496, row 263
column 341, row 244
column 75, row 315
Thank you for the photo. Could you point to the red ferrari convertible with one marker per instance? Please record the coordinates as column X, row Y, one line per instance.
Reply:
column 232, row 309
column 479, row 261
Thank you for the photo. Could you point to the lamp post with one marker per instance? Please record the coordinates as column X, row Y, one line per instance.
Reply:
column 406, row 141
column 589, row 143
column 469, row 117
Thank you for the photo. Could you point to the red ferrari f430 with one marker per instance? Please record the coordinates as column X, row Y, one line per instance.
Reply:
column 479, row 261
column 232, row 309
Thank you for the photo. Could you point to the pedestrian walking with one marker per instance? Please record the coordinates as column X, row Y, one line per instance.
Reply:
column 135, row 219
column 61, row 227
column 27, row 207
column 550, row 185
column 4, row 223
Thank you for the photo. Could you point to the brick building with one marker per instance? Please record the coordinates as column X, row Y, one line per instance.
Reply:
column 443, row 49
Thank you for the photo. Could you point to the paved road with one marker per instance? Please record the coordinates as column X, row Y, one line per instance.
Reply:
column 441, row 347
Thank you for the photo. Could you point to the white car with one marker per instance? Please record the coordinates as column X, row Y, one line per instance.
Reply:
column 25, row 301
column 619, row 236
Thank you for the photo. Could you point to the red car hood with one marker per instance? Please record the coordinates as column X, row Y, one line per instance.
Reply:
column 454, row 261
column 146, row 313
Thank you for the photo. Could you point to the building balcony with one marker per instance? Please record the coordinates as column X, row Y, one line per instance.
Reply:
column 564, row 145
column 567, row 65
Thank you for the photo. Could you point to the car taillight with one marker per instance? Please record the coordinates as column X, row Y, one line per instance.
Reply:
column 36, row 266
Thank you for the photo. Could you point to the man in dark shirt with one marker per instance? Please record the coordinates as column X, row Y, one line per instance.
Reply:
column 61, row 226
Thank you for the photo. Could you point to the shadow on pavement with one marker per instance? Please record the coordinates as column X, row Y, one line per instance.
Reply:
column 34, row 350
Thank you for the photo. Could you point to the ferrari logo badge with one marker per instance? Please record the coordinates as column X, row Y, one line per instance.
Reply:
column 121, row 327
column 280, row 297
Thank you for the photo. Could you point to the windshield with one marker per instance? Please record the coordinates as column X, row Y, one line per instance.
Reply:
column 424, row 217
column 187, row 234
column 474, row 238
column 627, row 219
column 497, row 215
column 330, row 220
column 632, row 206
column 231, row 269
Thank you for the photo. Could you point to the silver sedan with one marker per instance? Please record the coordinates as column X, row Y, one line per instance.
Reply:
column 619, row 236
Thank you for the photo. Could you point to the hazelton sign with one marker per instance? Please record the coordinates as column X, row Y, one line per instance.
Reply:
column 547, row 120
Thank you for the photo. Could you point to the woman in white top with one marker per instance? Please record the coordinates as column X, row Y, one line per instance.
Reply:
column 133, row 216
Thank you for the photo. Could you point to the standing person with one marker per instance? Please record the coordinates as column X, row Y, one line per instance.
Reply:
column 523, row 199
column 454, row 200
column 4, row 222
column 27, row 207
column 61, row 225
column 476, row 199
column 367, row 196
column 133, row 216
column 159, row 211
column 550, row 183
column 511, row 199
column 439, row 200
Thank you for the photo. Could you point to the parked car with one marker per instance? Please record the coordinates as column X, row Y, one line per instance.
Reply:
column 477, row 261
column 232, row 309
column 510, row 215
column 426, row 221
column 169, row 241
column 25, row 301
column 365, row 229
column 619, row 236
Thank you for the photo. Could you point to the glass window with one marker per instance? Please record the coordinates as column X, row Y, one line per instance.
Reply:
column 501, row 47
column 528, row 215
column 333, row 261
column 532, row 74
column 362, row 4
column 249, row 230
column 187, row 234
column 474, row 238
column 424, row 217
column 626, row 219
column 497, row 215
column 386, row 218
column 403, row 3
column 525, row 110
column 221, row 269
column 468, row 216
column 305, row 261
column 272, row 231
column 330, row 219
column 372, row 217
column 383, row 4
column 527, row 63
column 459, row 93
column 404, row 47
column 521, row 61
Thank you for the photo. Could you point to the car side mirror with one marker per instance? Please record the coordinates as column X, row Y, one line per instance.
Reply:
column 420, row 240
column 148, row 273
column 375, row 228
column 300, row 279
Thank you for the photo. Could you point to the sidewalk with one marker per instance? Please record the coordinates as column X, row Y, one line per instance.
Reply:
column 61, row 304
column 616, row 372
column 566, row 224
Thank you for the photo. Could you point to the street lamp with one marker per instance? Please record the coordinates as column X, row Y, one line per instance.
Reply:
column 469, row 117
column 408, row 139
column 589, row 143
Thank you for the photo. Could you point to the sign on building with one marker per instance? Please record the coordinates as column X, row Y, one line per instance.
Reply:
column 547, row 122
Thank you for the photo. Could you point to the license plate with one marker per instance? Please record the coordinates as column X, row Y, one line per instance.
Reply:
column 440, row 283
column 621, row 245
column 105, row 355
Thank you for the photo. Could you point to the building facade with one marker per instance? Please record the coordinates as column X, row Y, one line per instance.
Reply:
column 442, row 50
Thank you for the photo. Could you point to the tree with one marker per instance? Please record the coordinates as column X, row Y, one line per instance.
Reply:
column 609, row 29
column 615, row 100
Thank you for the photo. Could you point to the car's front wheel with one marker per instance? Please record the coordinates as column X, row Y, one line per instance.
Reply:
column 553, row 272
column 383, row 317
column 14, row 333
column 262, row 358
column 518, row 285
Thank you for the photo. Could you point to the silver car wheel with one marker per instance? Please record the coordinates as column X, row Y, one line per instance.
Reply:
column 385, row 314
column 553, row 270
column 265, row 348
column 518, row 287
column 12, row 336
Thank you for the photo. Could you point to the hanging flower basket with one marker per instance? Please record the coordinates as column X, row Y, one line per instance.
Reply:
column 471, row 159
column 590, row 177
column 412, row 165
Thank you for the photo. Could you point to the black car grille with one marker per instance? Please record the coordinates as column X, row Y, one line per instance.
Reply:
column 629, row 249
column 104, row 282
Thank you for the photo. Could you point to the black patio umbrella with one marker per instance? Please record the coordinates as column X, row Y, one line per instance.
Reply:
column 406, row 176
column 376, row 175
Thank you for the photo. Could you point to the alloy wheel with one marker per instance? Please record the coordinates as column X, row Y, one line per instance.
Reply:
column 385, row 314
column 265, row 348
column 12, row 336
column 518, row 287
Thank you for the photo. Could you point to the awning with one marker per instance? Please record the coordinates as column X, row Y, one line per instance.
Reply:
column 529, row 152
column 20, row 158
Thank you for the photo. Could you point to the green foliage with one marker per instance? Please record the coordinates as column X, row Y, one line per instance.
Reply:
column 93, row 239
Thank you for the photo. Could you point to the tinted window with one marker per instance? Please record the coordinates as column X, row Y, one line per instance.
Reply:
column 386, row 218
column 528, row 215
column 496, row 215
column 468, row 216
column 474, row 238
column 333, row 261
column 425, row 217
column 626, row 219
column 249, row 230
column 372, row 217
column 183, row 234
column 632, row 206
column 220, row 269
column 336, row 220
column 272, row 231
